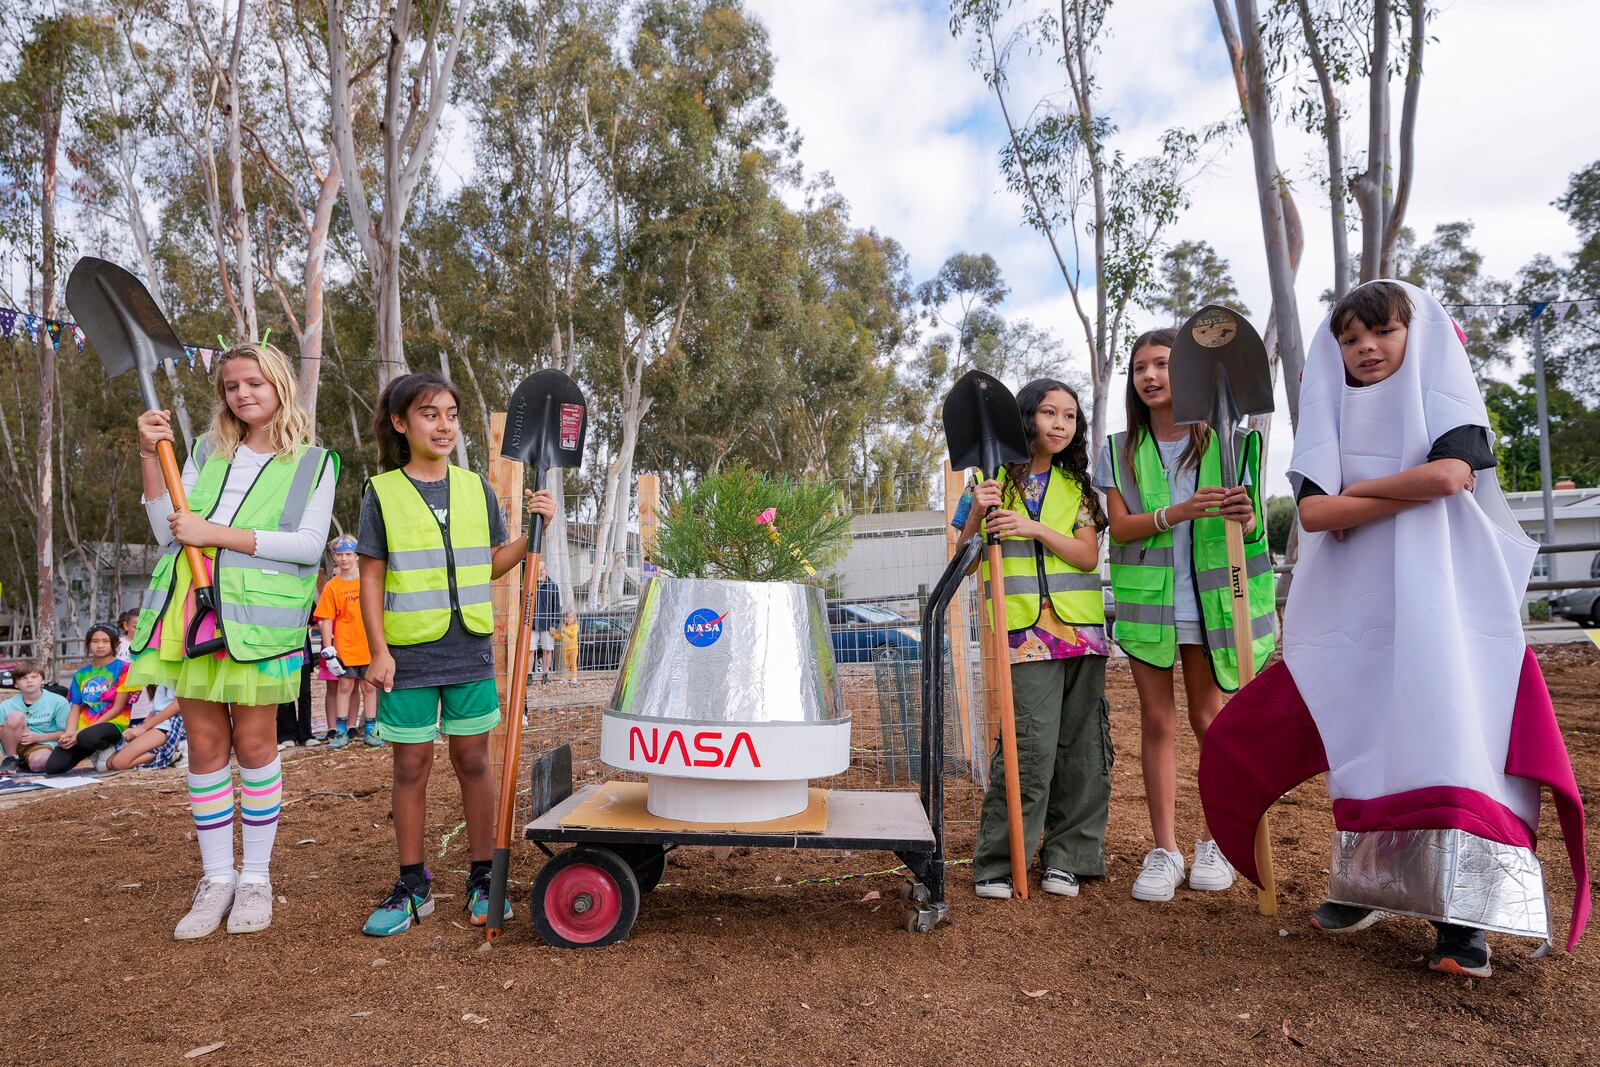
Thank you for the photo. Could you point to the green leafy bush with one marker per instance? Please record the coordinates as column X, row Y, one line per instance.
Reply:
column 711, row 528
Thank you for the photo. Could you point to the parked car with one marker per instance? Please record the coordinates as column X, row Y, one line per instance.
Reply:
column 862, row 633
column 603, row 637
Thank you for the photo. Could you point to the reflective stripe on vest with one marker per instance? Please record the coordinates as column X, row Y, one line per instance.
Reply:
column 1142, row 581
column 434, row 570
column 265, row 604
column 1029, row 571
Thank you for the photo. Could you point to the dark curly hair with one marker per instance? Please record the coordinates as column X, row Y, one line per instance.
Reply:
column 397, row 398
column 1073, row 461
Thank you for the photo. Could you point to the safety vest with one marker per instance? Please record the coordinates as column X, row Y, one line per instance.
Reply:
column 1030, row 570
column 1142, row 575
column 435, row 569
column 265, row 604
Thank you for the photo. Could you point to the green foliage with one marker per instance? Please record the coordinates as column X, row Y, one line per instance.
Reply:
column 1192, row 276
column 1574, row 435
column 1280, row 519
column 709, row 527
column 1539, row 610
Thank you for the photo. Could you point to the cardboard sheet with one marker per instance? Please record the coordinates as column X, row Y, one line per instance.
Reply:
column 621, row 806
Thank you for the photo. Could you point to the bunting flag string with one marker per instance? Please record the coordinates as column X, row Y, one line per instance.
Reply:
column 22, row 325
column 1552, row 311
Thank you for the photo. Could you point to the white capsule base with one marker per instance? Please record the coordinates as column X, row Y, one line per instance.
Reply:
column 704, row 801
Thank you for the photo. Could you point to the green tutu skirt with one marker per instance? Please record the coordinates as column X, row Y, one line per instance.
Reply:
column 217, row 677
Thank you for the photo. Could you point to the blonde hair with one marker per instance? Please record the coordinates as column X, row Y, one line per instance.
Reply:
column 291, row 425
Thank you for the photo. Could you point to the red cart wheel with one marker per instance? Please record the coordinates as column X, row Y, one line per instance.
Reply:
column 585, row 897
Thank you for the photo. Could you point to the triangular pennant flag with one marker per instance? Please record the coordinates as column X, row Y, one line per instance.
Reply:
column 188, row 350
column 1586, row 307
column 53, row 328
column 8, row 316
column 77, row 335
column 205, row 357
column 30, row 326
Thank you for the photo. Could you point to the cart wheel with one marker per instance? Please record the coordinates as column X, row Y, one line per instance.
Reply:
column 649, row 863
column 914, row 892
column 585, row 897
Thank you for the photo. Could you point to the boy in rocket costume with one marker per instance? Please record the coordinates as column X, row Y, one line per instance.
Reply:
column 1405, row 674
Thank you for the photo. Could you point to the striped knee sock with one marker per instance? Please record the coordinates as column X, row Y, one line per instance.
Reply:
column 260, row 793
column 211, row 800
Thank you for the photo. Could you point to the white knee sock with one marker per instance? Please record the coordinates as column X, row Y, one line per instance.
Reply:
column 211, row 801
column 260, row 795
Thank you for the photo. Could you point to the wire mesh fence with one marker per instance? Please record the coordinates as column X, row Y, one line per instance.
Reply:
column 877, row 595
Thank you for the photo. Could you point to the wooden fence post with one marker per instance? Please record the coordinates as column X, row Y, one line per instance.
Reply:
column 649, row 487
column 505, row 479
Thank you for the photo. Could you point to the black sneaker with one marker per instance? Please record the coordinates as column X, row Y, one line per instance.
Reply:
column 1334, row 918
column 1460, row 950
column 1059, row 882
column 10, row 765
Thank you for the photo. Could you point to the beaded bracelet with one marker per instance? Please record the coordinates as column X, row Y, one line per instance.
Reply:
column 1162, row 525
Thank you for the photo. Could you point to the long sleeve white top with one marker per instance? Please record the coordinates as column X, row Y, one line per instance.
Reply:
column 304, row 545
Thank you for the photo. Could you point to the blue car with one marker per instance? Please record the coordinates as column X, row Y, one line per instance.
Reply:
column 863, row 633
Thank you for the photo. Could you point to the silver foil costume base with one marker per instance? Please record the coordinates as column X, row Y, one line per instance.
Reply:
column 1447, row 875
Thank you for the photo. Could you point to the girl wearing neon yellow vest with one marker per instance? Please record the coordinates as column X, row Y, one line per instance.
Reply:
column 432, row 538
column 1168, row 576
column 1049, row 521
column 260, row 499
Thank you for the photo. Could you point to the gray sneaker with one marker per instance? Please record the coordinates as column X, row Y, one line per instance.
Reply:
column 252, row 908
column 212, row 899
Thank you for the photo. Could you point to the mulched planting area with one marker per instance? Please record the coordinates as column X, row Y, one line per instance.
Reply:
column 764, row 956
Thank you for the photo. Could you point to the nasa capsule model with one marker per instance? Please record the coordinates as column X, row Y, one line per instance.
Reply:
column 728, row 700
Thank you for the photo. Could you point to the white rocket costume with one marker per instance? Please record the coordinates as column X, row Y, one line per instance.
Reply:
column 1405, row 673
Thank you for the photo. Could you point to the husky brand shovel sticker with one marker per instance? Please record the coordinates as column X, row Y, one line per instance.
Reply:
column 703, row 626
column 1215, row 329
column 571, row 425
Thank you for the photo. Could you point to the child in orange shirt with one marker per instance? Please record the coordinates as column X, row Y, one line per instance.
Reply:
column 345, row 655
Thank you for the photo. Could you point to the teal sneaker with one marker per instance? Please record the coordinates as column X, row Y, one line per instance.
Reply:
column 370, row 736
column 339, row 739
column 478, row 902
column 400, row 909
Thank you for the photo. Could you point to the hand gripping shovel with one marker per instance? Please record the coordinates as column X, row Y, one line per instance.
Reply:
column 544, row 428
column 128, row 332
column 983, row 429
column 1219, row 374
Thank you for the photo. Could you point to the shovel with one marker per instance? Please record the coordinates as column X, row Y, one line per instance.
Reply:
column 983, row 429
column 121, row 320
column 1219, row 374
column 545, row 428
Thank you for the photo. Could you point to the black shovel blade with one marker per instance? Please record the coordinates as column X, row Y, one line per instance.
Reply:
column 547, row 422
column 1219, row 370
column 982, row 425
column 121, row 321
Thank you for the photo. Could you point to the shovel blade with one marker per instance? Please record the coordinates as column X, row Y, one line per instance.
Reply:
column 121, row 321
column 982, row 425
column 547, row 422
column 1219, row 369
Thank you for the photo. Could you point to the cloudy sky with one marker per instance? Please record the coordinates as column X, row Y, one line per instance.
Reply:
column 890, row 106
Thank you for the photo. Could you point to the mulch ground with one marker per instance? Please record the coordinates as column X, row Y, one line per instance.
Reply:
column 761, row 957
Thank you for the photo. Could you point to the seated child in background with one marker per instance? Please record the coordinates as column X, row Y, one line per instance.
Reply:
column 158, row 740
column 99, row 711
column 569, row 647
column 31, row 721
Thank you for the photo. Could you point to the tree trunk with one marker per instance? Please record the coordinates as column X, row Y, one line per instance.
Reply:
column 1394, row 214
column 1250, row 76
column 315, row 283
column 1332, row 135
column 1369, row 185
column 45, row 627
column 244, row 252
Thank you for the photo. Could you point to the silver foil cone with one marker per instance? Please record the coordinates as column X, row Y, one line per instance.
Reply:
column 708, row 650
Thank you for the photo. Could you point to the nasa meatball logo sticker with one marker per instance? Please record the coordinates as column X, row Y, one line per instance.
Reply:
column 1213, row 329
column 703, row 627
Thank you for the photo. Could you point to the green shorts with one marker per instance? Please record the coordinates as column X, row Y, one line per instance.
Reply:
column 409, row 716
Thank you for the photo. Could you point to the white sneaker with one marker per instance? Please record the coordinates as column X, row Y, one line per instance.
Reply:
column 1210, row 872
column 1061, row 883
column 212, row 899
column 1161, row 876
column 283, row 745
column 994, row 889
column 252, row 908
column 102, row 759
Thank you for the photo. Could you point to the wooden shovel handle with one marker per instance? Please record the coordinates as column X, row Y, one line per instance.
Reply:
column 173, row 476
column 516, row 699
column 1245, row 655
column 1000, row 649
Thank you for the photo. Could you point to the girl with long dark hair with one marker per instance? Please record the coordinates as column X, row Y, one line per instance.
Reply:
column 1049, row 519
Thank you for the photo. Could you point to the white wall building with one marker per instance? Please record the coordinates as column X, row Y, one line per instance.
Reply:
column 1577, row 519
